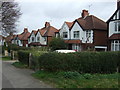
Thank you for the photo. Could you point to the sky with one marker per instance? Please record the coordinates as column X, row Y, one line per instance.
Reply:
column 36, row 12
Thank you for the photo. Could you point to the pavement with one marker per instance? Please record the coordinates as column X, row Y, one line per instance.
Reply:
column 13, row 77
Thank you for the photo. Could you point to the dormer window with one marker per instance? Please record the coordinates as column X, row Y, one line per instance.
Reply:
column 88, row 33
column 65, row 35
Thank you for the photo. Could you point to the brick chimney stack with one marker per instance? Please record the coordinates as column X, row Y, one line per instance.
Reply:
column 84, row 13
column 118, row 3
column 47, row 24
column 25, row 30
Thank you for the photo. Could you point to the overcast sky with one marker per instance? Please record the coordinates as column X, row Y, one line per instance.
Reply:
column 37, row 12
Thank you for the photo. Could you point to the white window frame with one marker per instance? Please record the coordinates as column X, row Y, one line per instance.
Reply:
column 76, row 34
column 65, row 34
column 115, row 45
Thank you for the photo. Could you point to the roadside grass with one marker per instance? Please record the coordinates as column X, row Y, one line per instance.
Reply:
column 19, row 65
column 63, row 80
column 6, row 58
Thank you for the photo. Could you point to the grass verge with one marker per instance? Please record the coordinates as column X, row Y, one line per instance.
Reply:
column 19, row 65
column 72, row 80
column 6, row 58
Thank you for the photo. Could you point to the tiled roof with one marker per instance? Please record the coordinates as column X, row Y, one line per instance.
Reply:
column 115, row 36
column 1, row 37
column 69, row 24
column 72, row 41
column 9, row 38
column 24, row 36
column 92, row 22
column 48, row 31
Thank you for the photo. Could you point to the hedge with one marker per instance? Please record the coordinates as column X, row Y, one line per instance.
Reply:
column 83, row 62
column 23, row 56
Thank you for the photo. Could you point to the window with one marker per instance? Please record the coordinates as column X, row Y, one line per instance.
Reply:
column 38, row 38
column 88, row 33
column 45, row 39
column 115, row 45
column 65, row 34
column 117, row 26
column 32, row 39
column 76, row 34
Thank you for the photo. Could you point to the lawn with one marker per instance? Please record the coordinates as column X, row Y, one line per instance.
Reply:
column 6, row 58
column 75, row 80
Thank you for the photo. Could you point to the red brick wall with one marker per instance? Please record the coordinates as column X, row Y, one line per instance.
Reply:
column 48, row 40
column 25, row 42
column 100, row 37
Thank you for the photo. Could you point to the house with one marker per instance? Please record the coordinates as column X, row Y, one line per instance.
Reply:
column 86, row 32
column 114, row 30
column 10, row 39
column 2, row 40
column 22, row 39
column 42, row 36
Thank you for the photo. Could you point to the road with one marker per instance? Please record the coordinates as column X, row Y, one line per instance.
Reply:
column 19, row 78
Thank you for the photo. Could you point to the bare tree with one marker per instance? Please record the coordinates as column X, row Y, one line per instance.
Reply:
column 10, row 15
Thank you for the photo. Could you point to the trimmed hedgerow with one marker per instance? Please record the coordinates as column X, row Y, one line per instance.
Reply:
column 23, row 57
column 83, row 62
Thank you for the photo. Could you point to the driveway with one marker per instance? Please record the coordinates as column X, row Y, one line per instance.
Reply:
column 19, row 78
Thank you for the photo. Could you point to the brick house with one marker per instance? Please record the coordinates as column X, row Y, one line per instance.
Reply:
column 22, row 39
column 42, row 36
column 114, row 30
column 86, row 32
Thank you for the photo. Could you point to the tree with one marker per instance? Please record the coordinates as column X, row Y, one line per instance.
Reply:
column 10, row 15
column 57, row 43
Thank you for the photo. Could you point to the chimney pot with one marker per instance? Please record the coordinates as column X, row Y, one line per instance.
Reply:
column 47, row 24
column 25, row 30
column 84, row 13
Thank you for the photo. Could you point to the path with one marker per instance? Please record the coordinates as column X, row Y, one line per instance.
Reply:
column 19, row 78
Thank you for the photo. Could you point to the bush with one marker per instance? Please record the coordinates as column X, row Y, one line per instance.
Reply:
column 23, row 57
column 82, row 62
column 35, row 59
column 57, row 43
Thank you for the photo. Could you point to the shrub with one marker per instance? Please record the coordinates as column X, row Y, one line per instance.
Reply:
column 23, row 57
column 35, row 59
column 82, row 62
column 57, row 43
column 71, row 75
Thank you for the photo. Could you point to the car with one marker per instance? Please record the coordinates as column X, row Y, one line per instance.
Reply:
column 65, row 51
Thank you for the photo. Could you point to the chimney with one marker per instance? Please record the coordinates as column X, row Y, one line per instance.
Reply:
column 47, row 24
column 118, row 4
column 85, row 13
column 25, row 30
column 11, row 34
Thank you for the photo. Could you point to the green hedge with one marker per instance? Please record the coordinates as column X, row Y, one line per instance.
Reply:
column 83, row 62
column 23, row 56
column 35, row 59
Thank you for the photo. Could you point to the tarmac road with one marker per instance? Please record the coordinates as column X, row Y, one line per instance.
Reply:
column 13, row 77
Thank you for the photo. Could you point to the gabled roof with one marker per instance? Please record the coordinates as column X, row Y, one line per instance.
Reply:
column 33, row 31
column 113, row 15
column 24, row 35
column 69, row 24
column 115, row 36
column 91, row 22
column 48, row 31
column 2, row 37
column 10, row 37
